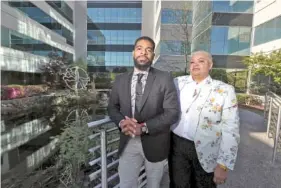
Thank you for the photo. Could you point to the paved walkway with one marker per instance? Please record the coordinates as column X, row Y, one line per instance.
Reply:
column 254, row 168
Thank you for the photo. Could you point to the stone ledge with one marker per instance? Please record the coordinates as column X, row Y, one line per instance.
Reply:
column 36, row 102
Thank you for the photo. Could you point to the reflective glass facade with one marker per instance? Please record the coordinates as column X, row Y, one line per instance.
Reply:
column 230, row 40
column 18, row 41
column 202, row 41
column 201, row 9
column 112, row 36
column 233, row 6
column 223, row 28
column 268, row 31
column 173, row 16
column 62, row 8
column 97, row 58
column 41, row 17
column 115, row 15
column 170, row 47
column 112, row 30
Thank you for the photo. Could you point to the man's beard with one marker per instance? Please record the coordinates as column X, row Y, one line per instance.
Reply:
column 142, row 67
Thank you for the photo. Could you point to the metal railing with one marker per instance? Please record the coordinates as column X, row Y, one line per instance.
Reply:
column 272, row 114
column 102, row 136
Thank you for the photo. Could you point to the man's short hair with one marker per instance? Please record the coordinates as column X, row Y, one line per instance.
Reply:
column 147, row 39
column 207, row 54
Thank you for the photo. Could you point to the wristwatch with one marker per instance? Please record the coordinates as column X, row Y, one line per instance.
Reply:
column 144, row 129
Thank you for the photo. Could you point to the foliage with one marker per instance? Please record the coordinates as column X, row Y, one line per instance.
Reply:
column 20, row 91
column 238, row 79
column 266, row 64
column 113, row 76
column 219, row 74
column 73, row 145
column 103, row 81
column 248, row 99
column 54, row 68
column 177, row 74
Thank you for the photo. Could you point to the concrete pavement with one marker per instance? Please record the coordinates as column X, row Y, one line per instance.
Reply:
column 253, row 167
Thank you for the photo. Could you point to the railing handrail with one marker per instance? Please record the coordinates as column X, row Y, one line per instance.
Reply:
column 275, row 96
column 274, row 102
column 103, row 158
column 99, row 122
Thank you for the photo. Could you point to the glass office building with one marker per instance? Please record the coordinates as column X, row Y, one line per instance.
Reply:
column 35, row 13
column 30, row 31
column 112, row 30
column 268, row 31
column 174, row 18
column 174, row 31
column 223, row 28
column 16, row 40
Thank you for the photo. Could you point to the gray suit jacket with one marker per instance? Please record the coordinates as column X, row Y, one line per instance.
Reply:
column 159, row 110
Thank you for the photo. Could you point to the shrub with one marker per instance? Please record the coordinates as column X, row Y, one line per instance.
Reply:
column 177, row 74
column 248, row 99
column 19, row 91
column 73, row 152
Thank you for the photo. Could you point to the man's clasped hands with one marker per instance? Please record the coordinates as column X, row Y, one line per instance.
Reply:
column 130, row 126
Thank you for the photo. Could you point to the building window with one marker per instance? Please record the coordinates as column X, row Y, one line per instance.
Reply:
column 268, row 31
column 172, row 16
column 112, row 29
column 171, row 47
column 230, row 40
column 233, row 6
column 115, row 15
column 203, row 9
column 21, row 42
column 202, row 41
column 105, row 58
column 44, row 19
column 113, row 36
column 63, row 8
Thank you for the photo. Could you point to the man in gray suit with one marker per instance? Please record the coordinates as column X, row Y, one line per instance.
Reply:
column 143, row 104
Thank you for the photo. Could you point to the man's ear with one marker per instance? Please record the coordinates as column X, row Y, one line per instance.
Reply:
column 153, row 55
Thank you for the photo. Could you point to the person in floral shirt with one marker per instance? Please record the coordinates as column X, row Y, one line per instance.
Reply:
column 206, row 137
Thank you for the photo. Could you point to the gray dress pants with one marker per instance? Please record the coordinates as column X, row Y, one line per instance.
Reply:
column 130, row 163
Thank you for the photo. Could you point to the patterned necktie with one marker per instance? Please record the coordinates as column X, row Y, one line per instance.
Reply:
column 138, row 93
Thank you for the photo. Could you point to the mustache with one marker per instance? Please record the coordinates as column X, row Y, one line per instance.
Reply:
column 141, row 56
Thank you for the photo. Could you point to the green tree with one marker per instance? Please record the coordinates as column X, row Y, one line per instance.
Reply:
column 53, row 69
column 266, row 64
column 219, row 74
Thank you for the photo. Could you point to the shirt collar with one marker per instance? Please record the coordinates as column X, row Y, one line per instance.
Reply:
column 207, row 80
column 136, row 71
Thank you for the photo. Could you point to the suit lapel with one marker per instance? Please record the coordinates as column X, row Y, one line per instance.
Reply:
column 127, row 94
column 149, row 82
column 204, row 94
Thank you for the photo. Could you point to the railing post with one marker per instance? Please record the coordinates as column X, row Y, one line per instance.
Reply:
column 103, row 158
column 277, row 135
column 269, row 117
column 265, row 106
